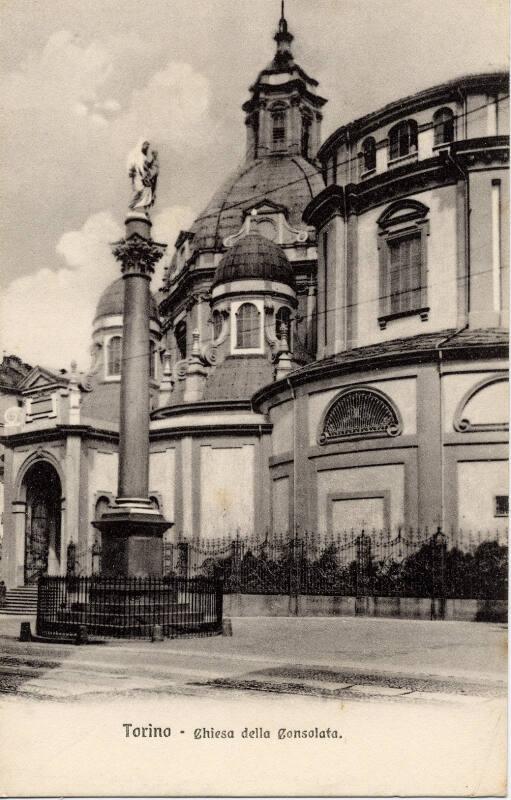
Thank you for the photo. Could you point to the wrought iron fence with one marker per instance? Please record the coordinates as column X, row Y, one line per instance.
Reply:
column 129, row 607
column 400, row 563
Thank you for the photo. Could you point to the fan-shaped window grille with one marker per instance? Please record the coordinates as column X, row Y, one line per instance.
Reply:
column 359, row 412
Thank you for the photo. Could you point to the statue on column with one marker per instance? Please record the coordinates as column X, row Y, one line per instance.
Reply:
column 143, row 168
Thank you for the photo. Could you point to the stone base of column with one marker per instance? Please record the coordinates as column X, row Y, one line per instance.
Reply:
column 132, row 544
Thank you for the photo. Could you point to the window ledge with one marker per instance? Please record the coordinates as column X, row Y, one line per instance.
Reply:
column 423, row 313
column 367, row 174
column 395, row 162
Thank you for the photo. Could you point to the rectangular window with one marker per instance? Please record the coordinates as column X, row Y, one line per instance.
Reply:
column 502, row 505
column 404, row 278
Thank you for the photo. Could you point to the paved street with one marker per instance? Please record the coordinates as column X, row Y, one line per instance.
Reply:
column 304, row 656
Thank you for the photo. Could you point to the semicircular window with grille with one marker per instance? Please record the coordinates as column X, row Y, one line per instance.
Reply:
column 359, row 412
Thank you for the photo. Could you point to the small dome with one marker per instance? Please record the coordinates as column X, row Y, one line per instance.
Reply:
column 254, row 256
column 111, row 302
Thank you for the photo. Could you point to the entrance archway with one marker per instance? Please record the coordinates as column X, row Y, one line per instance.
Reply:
column 42, row 521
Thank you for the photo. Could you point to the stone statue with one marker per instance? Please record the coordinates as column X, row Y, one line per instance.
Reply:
column 143, row 168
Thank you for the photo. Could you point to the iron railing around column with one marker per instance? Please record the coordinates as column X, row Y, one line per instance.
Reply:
column 128, row 607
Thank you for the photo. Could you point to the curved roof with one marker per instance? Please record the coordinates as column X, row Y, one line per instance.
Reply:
column 111, row 302
column 254, row 256
column 485, row 81
column 290, row 181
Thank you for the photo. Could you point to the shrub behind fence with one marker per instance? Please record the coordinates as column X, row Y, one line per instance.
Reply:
column 401, row 563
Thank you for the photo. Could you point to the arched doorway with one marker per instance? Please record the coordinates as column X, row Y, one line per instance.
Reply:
column 42, row 521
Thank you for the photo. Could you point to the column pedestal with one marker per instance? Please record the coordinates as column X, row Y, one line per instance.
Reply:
column 132, row 543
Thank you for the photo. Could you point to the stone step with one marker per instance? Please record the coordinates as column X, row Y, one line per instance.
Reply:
column 21, row 600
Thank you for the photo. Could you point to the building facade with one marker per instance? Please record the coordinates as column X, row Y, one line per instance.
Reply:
column 328, row 349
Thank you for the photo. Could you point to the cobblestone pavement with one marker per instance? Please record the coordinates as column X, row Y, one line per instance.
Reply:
column 405, row 661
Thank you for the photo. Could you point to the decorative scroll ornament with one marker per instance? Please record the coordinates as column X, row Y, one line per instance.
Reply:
column 209, row 354
column 137, row 254
column 359, row 412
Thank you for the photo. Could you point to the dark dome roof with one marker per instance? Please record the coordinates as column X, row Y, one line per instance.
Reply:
column 254, row 256
column 290, row 181
column 111, row 302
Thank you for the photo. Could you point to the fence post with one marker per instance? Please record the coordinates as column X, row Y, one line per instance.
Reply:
column 294, row 575
column 96, row 558
column 236, row 565
column 438, row 548
column 363, row 543
column 219, row 603
column 71, row 559
column 183, row 559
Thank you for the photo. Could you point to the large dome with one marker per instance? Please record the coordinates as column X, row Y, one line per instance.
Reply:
column 290, row 181
column 254, row 256
column 111, row 302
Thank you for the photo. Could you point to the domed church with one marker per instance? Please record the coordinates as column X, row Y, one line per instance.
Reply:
column 328, row 350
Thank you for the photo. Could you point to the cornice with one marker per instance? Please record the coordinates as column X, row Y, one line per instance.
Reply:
column 371, row 362
column 59, row 432
column 398, row 182
column 203, row 405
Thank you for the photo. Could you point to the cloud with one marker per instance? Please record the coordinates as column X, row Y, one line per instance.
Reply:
column 172, row 107
column 46, row 317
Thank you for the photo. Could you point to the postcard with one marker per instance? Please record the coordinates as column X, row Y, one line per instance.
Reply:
column 254, row 398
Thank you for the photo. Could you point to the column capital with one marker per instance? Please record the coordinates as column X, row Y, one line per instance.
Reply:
column 138, row 255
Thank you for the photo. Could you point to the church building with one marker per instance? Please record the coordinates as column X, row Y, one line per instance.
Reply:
column 328, row 350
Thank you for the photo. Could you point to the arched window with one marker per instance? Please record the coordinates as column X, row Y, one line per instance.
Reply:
column 279, row 130
column 180, row 336
column 359, row 412
column 248, row 327
column 153, row 359
column 402, row 246
column 113, row 356
column 368, row 154
column 282, row 323
column 443, row 126
column 306, row 135
column 218, row 324
column 403, row 139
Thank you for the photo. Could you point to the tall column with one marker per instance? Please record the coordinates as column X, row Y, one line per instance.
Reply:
column 132, row 528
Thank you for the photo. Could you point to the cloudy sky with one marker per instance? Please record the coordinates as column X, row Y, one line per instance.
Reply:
column 81, row 82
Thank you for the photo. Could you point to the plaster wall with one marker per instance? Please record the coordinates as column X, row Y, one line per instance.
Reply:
column 478, row 483
column 226, row 490
column 454, row 388
column 102, row 479
column 280, row 505
column 402, row 392
column 282, row 433
column 162, row 478
column 384, row 480
column 441, row 272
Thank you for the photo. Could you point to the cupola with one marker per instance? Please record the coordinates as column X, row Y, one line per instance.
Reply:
column 253, row 297
column 283, row 115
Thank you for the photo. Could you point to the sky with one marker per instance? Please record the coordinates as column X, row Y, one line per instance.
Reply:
column 82, row 82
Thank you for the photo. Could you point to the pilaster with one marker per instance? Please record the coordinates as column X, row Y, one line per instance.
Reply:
column 430, row 447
